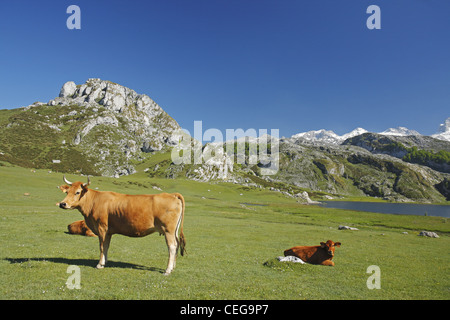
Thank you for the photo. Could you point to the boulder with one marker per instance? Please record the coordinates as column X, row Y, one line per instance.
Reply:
column 428, row 234
column 68, row 89
column 305, row 196
column 94, row 95
column 347, row 228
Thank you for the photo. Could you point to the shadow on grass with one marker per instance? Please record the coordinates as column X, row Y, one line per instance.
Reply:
column 86, row 262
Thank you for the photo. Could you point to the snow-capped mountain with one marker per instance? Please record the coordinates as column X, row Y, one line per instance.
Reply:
column 443, row 131
column 353, row 133
column 326, row 136
column 400, row 131
column 329, row 137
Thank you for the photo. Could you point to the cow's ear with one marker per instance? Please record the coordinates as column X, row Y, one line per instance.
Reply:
column 64, row 188
column 337, row 244
column 323, row 244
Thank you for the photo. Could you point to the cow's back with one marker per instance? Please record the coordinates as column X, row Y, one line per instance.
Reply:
column 306, row 253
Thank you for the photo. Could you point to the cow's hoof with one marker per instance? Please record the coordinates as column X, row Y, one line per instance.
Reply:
column 167, row 273
column 99, row 266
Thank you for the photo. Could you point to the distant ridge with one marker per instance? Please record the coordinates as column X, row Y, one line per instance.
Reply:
column 329, row 137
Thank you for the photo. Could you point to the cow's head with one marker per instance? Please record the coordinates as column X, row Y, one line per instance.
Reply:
column 75, row 193
column 329, row 246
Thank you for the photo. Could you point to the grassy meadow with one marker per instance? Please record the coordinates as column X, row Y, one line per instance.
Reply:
column 233, row 234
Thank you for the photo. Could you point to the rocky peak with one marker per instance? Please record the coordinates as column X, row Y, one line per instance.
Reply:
column 112, row 96
column 68, row 89
column 126, row 121
column 326, row 136
column 322, row 135
column 400, row 131
column 444, row 127
column 443, row 131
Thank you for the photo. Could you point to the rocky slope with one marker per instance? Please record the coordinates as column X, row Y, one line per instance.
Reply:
column 352, row 170
column 324, row 172
column 98, row 127
column 418, row 149
column 365, row 165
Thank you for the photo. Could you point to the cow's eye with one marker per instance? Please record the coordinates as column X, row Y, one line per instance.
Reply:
column 78, row 192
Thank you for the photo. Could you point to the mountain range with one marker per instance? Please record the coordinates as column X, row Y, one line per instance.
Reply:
column 103, row 128
column 329, row 137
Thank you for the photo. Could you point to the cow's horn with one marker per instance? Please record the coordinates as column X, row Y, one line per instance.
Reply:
column 87, row 183
column 67, row 181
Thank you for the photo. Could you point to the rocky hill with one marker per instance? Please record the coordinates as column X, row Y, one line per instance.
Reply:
column 418, row 149
column 352, row 170
column 324, row 172
column 372, row 165
column 98, row 127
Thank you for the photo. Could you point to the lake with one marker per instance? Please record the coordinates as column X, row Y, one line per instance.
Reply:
column 393, row 208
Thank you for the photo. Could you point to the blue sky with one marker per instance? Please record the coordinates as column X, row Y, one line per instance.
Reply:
column 291, row 65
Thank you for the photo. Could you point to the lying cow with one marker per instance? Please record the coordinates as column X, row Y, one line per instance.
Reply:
column 80, row 227
column 108, row 213
column 315, row 254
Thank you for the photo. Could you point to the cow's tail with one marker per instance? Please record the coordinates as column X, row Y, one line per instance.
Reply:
column 181, row 240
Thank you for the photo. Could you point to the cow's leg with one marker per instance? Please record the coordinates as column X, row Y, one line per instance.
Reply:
column 328, row 263
column 104, row 240
column 171, row 242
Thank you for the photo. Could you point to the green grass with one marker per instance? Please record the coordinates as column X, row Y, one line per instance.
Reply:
column 27, row 140
column 232, row 247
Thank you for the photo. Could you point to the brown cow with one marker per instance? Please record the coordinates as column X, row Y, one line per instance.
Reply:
column 315, row 254
column 80, row 227
column 107, row 213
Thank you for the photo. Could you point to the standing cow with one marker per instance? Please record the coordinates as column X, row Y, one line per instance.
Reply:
column 108, row 213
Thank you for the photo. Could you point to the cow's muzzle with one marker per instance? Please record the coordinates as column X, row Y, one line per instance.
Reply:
column 63, row 205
